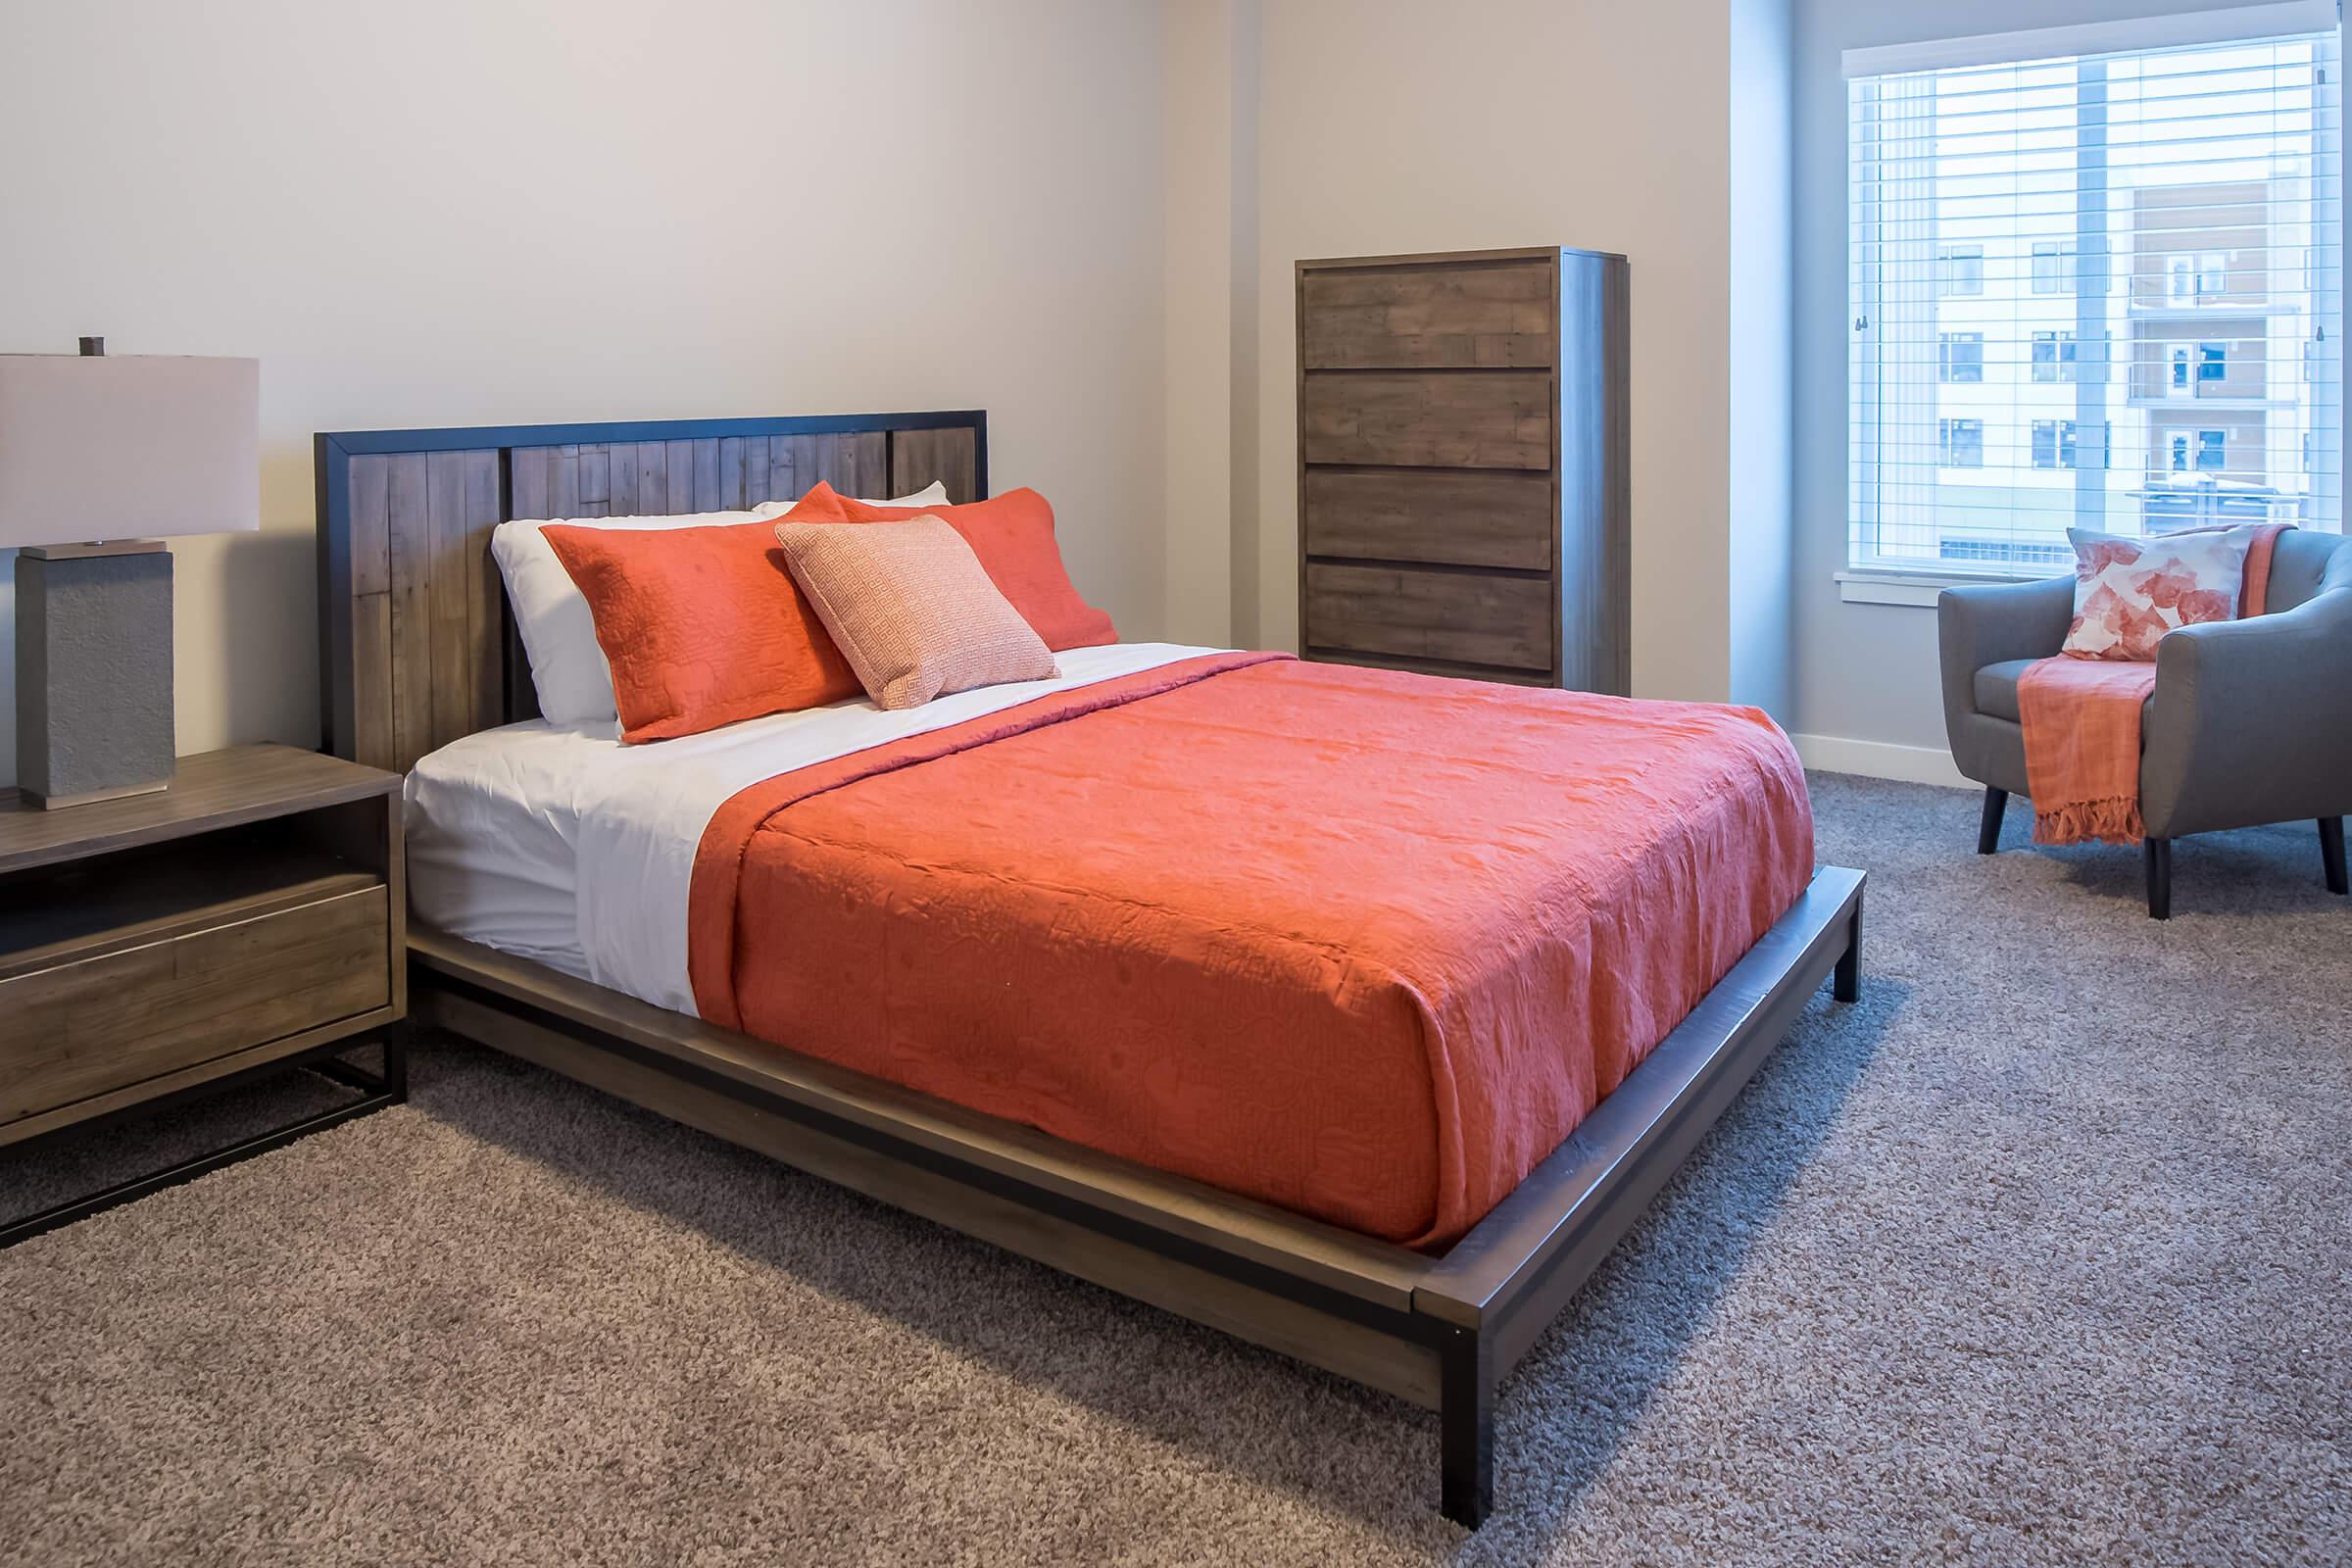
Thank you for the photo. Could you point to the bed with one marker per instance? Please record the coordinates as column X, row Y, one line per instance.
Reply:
column 977, row 949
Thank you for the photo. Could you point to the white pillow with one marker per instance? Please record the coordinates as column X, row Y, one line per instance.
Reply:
column 934, row 494
column 567, row 667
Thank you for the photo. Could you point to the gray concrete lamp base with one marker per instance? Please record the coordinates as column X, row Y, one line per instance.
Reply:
column 93, row 671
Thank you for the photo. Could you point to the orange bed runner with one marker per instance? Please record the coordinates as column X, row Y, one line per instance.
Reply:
column 1364, row 945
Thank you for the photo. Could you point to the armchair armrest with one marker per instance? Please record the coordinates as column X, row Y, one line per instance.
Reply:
column 1990, row 626
column 2251, row 721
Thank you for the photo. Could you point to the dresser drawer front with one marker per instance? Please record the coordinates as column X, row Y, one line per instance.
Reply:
column 104, row 1023
column 1493, row 316
column 1454, row 518
column 1461, row 617
column 1428, row 419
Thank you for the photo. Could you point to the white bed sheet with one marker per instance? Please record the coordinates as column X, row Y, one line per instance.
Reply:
column 563, row 846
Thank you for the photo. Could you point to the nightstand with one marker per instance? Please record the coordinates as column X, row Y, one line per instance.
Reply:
column 248, row 919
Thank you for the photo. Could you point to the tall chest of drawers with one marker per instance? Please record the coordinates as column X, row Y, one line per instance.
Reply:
column 1463, row 455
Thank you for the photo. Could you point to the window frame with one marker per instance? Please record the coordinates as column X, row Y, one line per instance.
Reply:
column 1949, row 364
column 1962, row 268
column 1949, row 282
column 1948, row 434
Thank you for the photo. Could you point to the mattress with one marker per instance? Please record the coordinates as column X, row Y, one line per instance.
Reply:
column 562, row 846
column 1364, row 945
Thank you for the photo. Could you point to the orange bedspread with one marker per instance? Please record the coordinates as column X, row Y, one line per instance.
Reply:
column 1364, row 945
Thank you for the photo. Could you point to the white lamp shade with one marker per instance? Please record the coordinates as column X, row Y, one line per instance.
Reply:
column 126, row 447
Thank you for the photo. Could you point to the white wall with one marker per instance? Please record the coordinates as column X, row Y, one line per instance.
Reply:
column 1202, row 105
column 444, row 212
column 1866, row 674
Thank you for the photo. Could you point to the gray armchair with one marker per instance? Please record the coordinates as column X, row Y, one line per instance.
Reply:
column 2250, row 722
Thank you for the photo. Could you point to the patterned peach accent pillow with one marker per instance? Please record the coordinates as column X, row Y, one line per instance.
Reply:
column 911, row 609
column 2129, row 592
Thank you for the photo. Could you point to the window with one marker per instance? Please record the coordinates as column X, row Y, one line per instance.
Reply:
column 1961, row 269
column 2056, row 357
column 2055, row 266
column 1960, row 356
column 1960, row 443
column 2134, row 215
column 2055, row 446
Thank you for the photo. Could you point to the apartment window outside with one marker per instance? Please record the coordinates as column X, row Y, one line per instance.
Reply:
column 2089, row 282
column 1961, row 356
column 2055, row 444
column 1960, row 443
column 2055, row 266
column 2057, row 357
column 1962, row 269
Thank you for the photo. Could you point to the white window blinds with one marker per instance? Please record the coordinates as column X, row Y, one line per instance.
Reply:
column 2100, row 288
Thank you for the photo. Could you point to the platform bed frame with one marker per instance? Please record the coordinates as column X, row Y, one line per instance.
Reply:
column 417, row 653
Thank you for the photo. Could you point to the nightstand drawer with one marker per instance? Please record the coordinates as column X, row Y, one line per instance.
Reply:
column 83, row 1027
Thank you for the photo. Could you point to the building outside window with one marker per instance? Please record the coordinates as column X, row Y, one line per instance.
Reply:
column 1960, row 443
column 2055, row 446
column 1962, row 269
column 2054, row 269
column 2124, row 268
column 2056, row 357
column 1961, row 356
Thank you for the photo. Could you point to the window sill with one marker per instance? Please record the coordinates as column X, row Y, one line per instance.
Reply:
column 1918, row 589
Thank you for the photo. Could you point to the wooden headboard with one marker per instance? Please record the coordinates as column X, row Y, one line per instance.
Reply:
column 415, row 647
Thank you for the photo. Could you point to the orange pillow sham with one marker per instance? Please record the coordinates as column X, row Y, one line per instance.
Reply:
column 702, row 627
column 1012, row 534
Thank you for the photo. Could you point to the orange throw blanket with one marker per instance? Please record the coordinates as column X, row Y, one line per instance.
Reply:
column 2081, row 722
column 1364, row 945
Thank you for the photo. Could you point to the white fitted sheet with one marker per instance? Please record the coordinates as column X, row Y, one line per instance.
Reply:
column 562, row 846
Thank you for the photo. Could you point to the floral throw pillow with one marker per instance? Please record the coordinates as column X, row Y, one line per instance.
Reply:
column 2129, row 592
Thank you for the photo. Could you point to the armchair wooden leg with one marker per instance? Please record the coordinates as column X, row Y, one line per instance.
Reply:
column 2160, row 878
column 2331, row 852
column 1989, row 829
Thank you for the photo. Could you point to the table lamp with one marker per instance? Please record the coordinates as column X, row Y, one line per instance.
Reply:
column 97, row 453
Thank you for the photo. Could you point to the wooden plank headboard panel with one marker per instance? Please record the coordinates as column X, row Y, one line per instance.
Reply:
column 417, row 648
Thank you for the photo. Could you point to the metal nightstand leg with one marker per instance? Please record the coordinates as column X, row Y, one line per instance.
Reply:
column 375, row 1092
